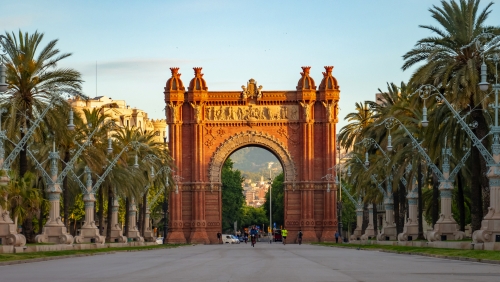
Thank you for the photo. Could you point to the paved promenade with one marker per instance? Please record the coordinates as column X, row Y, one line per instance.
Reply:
column 242, row 263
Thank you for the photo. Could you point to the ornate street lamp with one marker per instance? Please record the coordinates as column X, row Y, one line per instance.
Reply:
column 270, row 208
column 490, row 230
column 3, row 85
column 446, row 224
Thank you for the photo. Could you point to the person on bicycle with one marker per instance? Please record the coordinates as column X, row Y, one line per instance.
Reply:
column 299, row 237
column 284, row 233
column 254, row 233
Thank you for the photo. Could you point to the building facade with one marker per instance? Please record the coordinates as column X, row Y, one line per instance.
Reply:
column 123, row 114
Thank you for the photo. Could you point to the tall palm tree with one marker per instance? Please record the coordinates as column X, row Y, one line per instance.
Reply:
column 142, row 175
column 95, row 156
column 34, row 79
column 449, row 66
column 358, row 122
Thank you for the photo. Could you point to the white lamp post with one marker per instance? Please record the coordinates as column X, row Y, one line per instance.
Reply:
column 490, row 226
column 446, row 226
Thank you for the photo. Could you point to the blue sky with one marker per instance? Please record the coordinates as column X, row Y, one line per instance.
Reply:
column 136, row 42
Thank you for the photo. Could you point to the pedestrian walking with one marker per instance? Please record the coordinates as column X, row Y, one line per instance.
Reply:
column 299, row 237
column 219, row 237
column 337, row 236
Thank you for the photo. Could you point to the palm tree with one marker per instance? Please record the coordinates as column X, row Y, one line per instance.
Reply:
column 24, row 201
column 95, row 156
column 141, row 175
column 358, row 122
column 455, row 69
column 34, row 80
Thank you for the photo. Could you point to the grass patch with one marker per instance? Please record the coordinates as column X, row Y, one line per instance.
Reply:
column 475, row 254
column 34, row 255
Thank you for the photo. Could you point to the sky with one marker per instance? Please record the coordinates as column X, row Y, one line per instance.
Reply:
column 134, row 43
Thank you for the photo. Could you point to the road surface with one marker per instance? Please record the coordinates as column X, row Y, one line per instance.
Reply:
column 241, row 263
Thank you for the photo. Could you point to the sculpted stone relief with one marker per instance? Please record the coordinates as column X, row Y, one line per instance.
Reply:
column 197, row 111
column 173, row 110
column 210, row 137
column 307, row 110
column 251, row 90
column 251, row 112
column 331, row 111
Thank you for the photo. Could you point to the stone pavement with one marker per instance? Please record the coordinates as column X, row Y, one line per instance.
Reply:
column 243, row 263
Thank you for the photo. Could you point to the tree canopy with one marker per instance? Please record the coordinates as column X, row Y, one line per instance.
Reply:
column 232, row 195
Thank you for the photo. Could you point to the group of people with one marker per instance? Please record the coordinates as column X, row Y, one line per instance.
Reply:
column 254, row 234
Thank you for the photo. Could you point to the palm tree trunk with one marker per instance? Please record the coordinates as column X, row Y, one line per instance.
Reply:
column 435, row 199
column 478, row 172
column 100, row 213
column 476, row 195
column 139, row 216
column 74, row 229
column 28, row 231
column 66, row 190
column 397, row 220
column 402, row 207
column 23, row 155
column 420, row 208
column 365, row 218
column 127, row 204
column 42, row 207
column 23, row 168
column 23, row 159
column 461, row 201
column 144, row 206
column 110, row 212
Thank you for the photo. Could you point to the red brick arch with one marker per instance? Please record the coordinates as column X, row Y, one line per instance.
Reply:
column 250, row 138
column 205, row 127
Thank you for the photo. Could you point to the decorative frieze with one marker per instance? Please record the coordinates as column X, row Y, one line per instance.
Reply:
column 252, row 113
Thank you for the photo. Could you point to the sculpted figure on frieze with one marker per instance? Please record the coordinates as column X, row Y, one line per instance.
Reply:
column 244, row 94
column 295, row 114
column 254, row 112
column 207, row 113
column 174, row 111
column 284, row 112
column 197, row 112
column 329, row 111
column 240, row 113
column 232, row 114
column 307, row 110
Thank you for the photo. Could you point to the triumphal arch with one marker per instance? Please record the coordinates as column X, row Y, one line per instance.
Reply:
column 206, row 127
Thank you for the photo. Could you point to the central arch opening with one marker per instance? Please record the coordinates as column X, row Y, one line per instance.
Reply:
column 252, row 185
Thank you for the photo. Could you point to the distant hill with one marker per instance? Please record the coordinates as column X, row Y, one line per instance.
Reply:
column 253, row 162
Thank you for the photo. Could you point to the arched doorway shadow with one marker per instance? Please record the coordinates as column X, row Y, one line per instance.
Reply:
column 251, row 138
